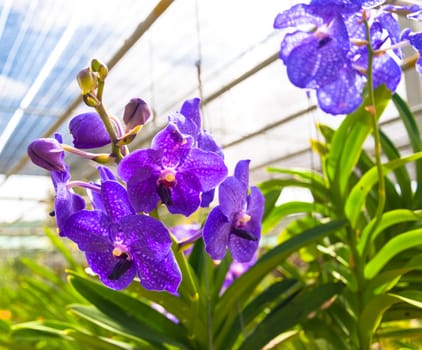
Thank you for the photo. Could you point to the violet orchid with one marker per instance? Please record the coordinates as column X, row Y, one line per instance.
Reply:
column 188, row 121
column 88, row 131
column 324, row 49
column 66, row 202
column 48, row 154
column 120, row 244
column 236, row 222
column 171, row 171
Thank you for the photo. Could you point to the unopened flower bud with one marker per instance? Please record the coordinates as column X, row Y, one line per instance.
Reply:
column 47, row 153
column 88, row 131
column 87, row 80
column 137, row 112
column 100, row 68
column 91, row 100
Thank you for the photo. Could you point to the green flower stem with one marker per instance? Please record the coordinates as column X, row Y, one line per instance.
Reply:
column 375, row 127
column 365, row 335
column 116, row 150
column 100, row 89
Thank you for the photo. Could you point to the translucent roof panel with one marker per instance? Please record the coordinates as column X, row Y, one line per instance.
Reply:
column 225, row 52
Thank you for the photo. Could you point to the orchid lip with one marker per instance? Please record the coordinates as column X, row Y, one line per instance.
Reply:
column 244, row 234
column 124, row 262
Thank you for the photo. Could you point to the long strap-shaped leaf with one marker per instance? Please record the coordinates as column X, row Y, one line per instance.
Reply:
column 241, row 289
column 393, row 247
column 130, row 314
column 415, row 141
column 287, row 316
column 348, row 140
column 357, row 196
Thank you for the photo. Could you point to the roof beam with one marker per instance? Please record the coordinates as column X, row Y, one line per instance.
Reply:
column 140, row 30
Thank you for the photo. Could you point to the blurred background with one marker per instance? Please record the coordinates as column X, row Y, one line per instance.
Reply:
column 225, row 52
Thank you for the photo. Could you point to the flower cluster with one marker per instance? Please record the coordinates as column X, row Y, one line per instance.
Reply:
column 331, row 46
column 121, row 235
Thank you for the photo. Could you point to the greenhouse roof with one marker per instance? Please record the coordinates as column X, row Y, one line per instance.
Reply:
column 225, row 52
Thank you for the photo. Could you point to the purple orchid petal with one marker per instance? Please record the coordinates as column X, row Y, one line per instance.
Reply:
column 192, row 111
column 140, row 163
column 216, row 234
column 241, row 171
column 208, row 167
column 96, row 200
column 342, row 96
column 173, row 144
column 372, row 3
column 60, row 176
column 386, row 71
column 416, row 15
column 297, row 15
column 207, row 143
column 146, row 235
column 315, row 63
column 103, row 263
column 66, row 203
column 47, row 153
column 185, row 195
column 106, row 174
column 256, row 203
column 90, row 230
column 136, row 113
column 232, row 196
column 184, row 125
column 207, row 198
column 156, row 274
column 143, row 195
column 115, row 200
column 290, row 42
column 242, row 250
column 81, row 128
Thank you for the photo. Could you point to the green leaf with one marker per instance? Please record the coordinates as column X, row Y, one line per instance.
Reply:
column 413, row 132
column 240, row 290
column 412, row 297
column 393, row 247
column 289, row 208
column 400, row 333
column 373, row 311
column 348, row 140
column 42, row 271
column 388, row 219
column 116, row 326
column 283, row 290
column 288, row 315
column 372, row 314
column 37, row 330
column 386, row 280
column 401, row 174
column 271, row 198
column 131, row 315
column 102, row 343
column 357, row 196
column 304, row 174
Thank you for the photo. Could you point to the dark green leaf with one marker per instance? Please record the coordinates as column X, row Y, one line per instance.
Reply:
column 393, row 247
column 132, row 315
column 288, row 315
column 240, row 290
column 357, row 196
column 413, row 132
column 348, row 140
